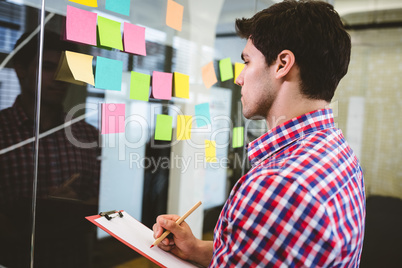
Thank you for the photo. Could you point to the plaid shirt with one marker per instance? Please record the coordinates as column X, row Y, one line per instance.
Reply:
column 302, row 204
column 58, row 159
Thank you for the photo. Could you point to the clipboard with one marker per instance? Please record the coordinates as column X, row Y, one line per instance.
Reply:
column 137, row 236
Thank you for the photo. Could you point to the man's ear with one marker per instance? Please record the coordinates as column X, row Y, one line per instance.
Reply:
column 284, row 62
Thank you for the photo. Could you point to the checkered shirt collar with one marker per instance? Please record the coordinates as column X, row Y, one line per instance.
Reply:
column 288, row 132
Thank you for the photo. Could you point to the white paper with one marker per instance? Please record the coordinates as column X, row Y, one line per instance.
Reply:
column 141, row 237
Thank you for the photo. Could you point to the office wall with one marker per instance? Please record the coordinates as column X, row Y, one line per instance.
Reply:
column 373, row 85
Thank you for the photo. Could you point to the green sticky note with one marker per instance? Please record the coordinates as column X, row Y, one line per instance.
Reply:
column 163, row 128
column 238, row 137
column 118, row 6
column 109, row 33
column 139, row 86
column 226, row 69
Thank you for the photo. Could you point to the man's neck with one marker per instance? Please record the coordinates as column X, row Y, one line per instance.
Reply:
column 290, row 104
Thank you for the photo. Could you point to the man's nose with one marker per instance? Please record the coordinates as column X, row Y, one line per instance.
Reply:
column 240, row 79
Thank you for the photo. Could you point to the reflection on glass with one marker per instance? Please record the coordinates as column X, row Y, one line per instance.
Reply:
column 68, row 175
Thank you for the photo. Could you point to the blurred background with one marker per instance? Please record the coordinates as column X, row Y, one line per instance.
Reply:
column 125, row 171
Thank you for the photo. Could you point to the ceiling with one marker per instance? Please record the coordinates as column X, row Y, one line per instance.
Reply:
column 233, row 9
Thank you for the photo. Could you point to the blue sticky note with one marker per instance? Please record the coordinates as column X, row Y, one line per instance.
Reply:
column 108, row 74
column 118, row 6
column 202, row 115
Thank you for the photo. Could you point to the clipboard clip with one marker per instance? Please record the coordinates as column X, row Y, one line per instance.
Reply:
column 108, row 214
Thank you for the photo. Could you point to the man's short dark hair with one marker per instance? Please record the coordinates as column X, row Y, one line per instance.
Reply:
column 51, row 41
column 313, row 31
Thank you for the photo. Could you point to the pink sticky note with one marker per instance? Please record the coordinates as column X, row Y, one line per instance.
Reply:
column 81, row 26
column 162, row 85
column 134, row 39
column 113, row 118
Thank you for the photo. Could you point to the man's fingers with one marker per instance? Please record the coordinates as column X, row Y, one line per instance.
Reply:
column 168, row 222
column 156, row 228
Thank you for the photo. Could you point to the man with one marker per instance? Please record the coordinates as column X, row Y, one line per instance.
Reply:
column 302, row 204
column 67, row 176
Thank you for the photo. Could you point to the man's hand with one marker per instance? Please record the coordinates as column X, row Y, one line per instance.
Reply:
column 181, row 242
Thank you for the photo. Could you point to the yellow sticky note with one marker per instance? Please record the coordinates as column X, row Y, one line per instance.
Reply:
column 181, row 84
column 184, row 123
column 81, row 67
column 75, row 68
column 210, row 151
column 209, row 75
column 174, row 15
column 238, row 68
column 90, row 3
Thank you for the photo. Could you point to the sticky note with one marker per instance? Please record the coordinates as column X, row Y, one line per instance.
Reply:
column 174, row 15
column 113, row 118
column 81, row 26
column 184, row 124
column 209, row 75
column 202, row 115
column 238, row 68
column 134, row 39
column 118, row 6
column 210, row 151
column 90, row 3
column 109, row 33
column 75, row 68
column 181, row 88
column 225, row 69
column 108, row 74
column 139, row 86
column 162, row 85
column 238, row 137
column 163, row 127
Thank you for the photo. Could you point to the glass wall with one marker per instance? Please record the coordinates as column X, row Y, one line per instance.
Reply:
column 62, row 160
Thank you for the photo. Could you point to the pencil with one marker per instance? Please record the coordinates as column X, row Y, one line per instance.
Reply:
column 72, row 179
column 179, row 221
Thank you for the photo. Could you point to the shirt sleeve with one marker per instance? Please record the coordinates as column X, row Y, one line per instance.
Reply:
column 271, row 221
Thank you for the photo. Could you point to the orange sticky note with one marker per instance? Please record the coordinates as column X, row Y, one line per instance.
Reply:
column 210, row 151
column 238, row 68
column 81, row 26
column 174, row 15
column 90, row 3
column 181, row 84
column 184, row 124
column 209, row 75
